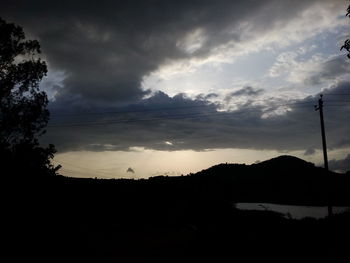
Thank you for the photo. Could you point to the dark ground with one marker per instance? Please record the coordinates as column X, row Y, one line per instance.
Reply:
column 176, row 219
column 69, row 220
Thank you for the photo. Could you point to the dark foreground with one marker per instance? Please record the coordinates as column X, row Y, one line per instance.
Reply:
column 64, row 220
column 239, row 237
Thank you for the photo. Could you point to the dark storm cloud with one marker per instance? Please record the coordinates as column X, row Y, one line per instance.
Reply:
column 107, row 47
column 179, row 123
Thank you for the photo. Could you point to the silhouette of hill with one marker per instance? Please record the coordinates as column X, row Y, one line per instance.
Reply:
column 177, row 219
column 284, row 179
column 285, row 161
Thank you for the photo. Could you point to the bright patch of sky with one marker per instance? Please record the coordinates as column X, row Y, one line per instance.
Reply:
column 146, row 163
column 53, row 82
column 271, row 62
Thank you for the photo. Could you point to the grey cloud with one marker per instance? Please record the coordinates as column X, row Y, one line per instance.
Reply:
column 343, row 143
column 207, row 96
column 340, row 165
column 248, row 91
column 245, row 91
column 329, row 70
column 310, row 151
column 130, row 170
column 106, row 48
column 179, row 123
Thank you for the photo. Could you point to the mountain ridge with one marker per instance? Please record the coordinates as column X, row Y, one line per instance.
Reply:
column 283, row 180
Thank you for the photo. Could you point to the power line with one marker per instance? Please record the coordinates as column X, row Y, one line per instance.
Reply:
column 337, row 94
column 162, row 109
column 337, row 100
column 176, row 116
column 195, row 115
column 169, row 117
column 337, row 104
column 131, row 111
column 171, row 108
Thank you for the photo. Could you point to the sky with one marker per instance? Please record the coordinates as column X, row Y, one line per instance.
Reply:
column 146, row 88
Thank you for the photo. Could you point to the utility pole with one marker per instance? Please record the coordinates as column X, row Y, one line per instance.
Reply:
column 324, row 145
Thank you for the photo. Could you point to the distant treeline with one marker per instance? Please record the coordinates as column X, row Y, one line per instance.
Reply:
column 177, row 219
column 283, row 180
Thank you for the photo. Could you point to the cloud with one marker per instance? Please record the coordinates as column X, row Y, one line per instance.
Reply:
column 285, row 61
column 247, row 91
column 316, row 70
column 328, row 70
column 240, row 95
column 309, row 151
column 106, row 49
column 181, row 123
column 130, row 170
column 340, row 165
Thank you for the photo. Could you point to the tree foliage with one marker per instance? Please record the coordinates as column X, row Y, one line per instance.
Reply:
column 23, row 107
column 346, row 45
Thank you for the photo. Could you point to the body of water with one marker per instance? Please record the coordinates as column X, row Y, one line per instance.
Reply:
column 294, row 211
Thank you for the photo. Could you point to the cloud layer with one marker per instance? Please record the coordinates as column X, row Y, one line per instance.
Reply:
column 106, row 49
column 180, row 123
column 100, row 54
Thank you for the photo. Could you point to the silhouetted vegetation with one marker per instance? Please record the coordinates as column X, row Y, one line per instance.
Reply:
column 346, row 45
column 183, row 219
column 23, row 112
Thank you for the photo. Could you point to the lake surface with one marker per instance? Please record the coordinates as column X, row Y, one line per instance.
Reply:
column 294, row 211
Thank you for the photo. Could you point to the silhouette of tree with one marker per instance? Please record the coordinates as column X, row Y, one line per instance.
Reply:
column 346, row 45
column 23, row 112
